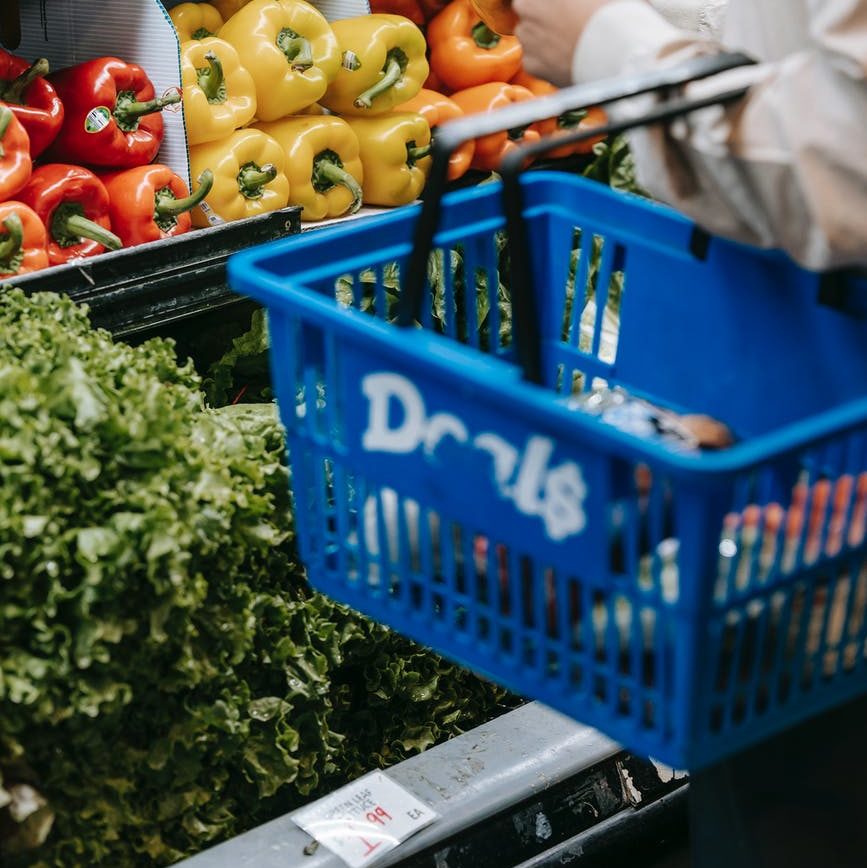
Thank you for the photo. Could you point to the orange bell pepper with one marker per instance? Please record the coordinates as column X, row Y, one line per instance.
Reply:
column 490, row 150
column 15, row 163
column 580, row 120
column 498, row 15
column 149, row 203
column 22, row 240
column 465, row 52
column 436, row 109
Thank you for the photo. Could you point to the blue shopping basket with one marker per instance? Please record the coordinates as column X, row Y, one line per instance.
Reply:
column 687, row 604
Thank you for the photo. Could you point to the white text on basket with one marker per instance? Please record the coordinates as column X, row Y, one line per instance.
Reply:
column 524, row 476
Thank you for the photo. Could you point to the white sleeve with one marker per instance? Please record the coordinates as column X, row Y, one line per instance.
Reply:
column 699, row 16
column 787, row 166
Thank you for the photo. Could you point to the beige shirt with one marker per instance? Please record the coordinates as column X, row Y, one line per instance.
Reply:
column 787, row 166
column 702, row 16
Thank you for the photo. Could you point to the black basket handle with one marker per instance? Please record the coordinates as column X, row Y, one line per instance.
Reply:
column 525, row 322
column 453, row 134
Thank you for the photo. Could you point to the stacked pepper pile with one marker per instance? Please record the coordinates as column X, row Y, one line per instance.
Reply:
column 289, row 109
column 76, row 149
column 476, row 67
column 281, row 108
column 275, row 97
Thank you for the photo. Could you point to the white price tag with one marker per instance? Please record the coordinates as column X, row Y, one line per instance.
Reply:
column 365, row 820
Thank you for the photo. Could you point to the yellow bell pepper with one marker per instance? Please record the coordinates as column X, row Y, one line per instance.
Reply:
column 219, row 94
column 195, row 21
column 289, row 49
column 384, row 64
column 395, row 155
column 323, row 163
column 228, row 8
column 249, row 176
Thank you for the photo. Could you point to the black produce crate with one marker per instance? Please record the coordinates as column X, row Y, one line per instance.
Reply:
column 653, row 836
column 158, row 288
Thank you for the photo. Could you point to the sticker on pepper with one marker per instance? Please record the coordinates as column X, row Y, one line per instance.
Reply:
column 351, row 61
column 170, row 94
column 213, row 218
column 97, row 119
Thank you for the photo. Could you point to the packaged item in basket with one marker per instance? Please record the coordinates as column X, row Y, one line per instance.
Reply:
column 682, row 433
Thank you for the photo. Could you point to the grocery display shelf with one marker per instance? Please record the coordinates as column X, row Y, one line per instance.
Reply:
column 143, row 290
column 521, row 790
column 533, row 789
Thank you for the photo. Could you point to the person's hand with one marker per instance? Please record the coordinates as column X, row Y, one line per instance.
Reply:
column 549, row 31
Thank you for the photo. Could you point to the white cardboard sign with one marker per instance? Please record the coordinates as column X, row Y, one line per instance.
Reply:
column 363, row 821
column 334, row 10
column 331, row 9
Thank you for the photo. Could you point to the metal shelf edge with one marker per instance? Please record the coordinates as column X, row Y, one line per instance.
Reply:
column 467, row 780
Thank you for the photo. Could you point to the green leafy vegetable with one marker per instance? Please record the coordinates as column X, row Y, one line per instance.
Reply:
column 361, row 292
column 242, row 373
column 167, row 678
column 614, row 165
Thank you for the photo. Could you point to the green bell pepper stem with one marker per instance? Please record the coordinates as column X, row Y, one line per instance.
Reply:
column 571, row 119
column 212, row 80
column 68, row 227
column 202, row 33
column 252, row 178
column 414, row 154
column 5, row 120
column 393, row 74
column 84, row 228
column 128, row 111
column 298, row 50
column 484, row 37
column 13, row 91
column 10, row 246
column 327, row 173
column 166, row 206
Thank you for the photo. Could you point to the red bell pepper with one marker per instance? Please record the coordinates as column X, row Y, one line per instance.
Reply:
column 33, row 100
column 22, row 240
column 418, row 11
column 436, row 84
column 432, row 8
column 15, row 162
column 152, row 202
column 408, row 8
column 112, row 116
column 73, row 204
